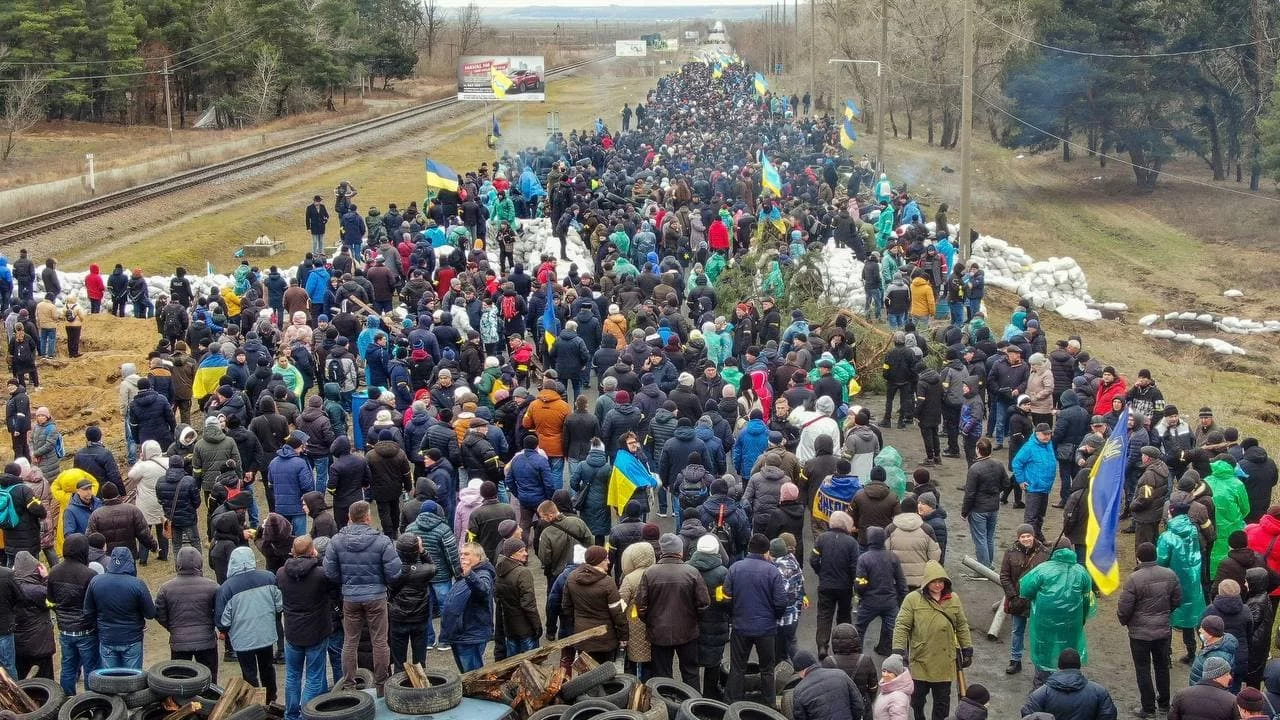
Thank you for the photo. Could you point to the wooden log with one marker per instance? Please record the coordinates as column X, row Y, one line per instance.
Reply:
column 183, row 712
column 636, row 695
column 417, row 678
column 13, row 697
column 502, row 668
column 235, row 695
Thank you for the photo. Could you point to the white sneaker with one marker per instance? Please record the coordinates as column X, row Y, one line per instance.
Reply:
column 442, row 647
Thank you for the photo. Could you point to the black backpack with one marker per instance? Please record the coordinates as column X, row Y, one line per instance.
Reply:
column 722, row 531
column 303, row 360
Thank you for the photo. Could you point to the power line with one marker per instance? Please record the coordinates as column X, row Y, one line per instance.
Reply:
column 123, row 60
column 1122, row 161
column 918, row 80
column 1083, row 53
column 206, row 55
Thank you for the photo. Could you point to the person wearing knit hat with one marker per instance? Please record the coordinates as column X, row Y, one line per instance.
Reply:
column 514, row 600
column 671, row 598
column 760, row 598
column 1251, row 703
column 487, row 522
column 1149, row 597
column 595, row 601
column 1150, row 494
column 825, row 692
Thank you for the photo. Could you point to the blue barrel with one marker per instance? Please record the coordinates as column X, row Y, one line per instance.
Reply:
column 358, row 400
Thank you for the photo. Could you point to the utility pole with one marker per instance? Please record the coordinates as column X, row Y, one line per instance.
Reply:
column 882, row 107
column 168, row 112
column 1259, row 22
column 813, row 40
column 782, row 41
column 966, row 130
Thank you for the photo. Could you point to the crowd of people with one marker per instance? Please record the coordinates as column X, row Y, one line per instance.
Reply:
column 418, row 468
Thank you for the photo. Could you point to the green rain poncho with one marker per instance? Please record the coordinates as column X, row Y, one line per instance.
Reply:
column 621, row 241
column 1231, row 505
column 895, row 477
column 843, row 372
column 622, row 267
column 1061, row 595
column 1179, row 550
column 884, row 228
column 773, row 283
column 715, row 266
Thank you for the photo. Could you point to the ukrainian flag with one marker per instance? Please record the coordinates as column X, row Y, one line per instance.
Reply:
column 550, row 322
column 851, row 111
column 769, row 178
column 847, row 135
column 441, row 176
column 627, row 477
column 210, row 371
column 1106, row 499
column 500, row 83
column 762, row 86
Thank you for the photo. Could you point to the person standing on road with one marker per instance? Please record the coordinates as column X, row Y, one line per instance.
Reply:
column 1067, row 693
column 834, row 560
column 591, row 598
column 308, row 622
column 981, row 505
column 1061, row 595
column 1026, row 553
column 68, row 583
column 824, row 693
column 363, row 561
column 245, row 610
column 119, row 605
column 184, row 607
column 1149, row 496
column 931, row 628
column 1036, row 469
column 671, row 599
column 317, row 218
column 1179, row 550
column 466, row 621
column 1147, row 601
column 759, row 597
column 516, row 603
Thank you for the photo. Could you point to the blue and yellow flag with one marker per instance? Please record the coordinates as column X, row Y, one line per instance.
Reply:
column 441, row 176
column 550, row 321
column 500, row 83
column 1106, row 500
column 209, row 372
column 627, row 477
column 762, row 86
column 847, row 135
column 851, row 111
column 769, row 178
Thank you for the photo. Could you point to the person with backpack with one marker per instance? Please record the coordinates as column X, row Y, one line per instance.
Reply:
column 46, row 444
column 726, row 520
column 692, row 486
column 21, row 513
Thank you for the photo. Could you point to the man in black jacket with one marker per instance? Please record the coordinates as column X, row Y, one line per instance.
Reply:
column 1147, row 600
column 17, row 419
column 24, row 276
column 26, row 534
column 78, row 637
column 308, row 623
column 484, row 522
column 899, row 377
column 825, row 693
column 184, row 606
column 835, row 560
column 317, row 218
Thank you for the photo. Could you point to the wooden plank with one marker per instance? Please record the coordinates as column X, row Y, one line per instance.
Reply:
column 504, row 667
column 236, row 694
column 634, row 703
column 183, row 712
column 13, row 697
column 417, row 678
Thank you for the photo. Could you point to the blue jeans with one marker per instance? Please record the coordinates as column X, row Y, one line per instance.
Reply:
column 557, row 471
column 120, row 656
column 317, row 244
column 296, row 660
column 48, row 341
column 321, row 466
column 334, row 651
column 897, row 321
column 1002, row 419
column 299, row 523
column 79, row 655
column 8, row 660
column 957, row 313
column 982, row 525
column 975, row 306
column 131, row 446
column 469, row 656
column 874, row 304
column 1016, row 637
column 439, row 591
column 519, row 645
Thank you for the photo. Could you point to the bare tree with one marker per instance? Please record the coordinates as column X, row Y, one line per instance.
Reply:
column 263, row 86
column 23, row 107
column 470, row 26
column 433, row 24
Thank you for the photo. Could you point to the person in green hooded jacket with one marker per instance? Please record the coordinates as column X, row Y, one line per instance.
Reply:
column 773, row 283
column 1061, row 595
column 1178, row 548
column 621, row 240
column 1230, row 504
column 931, row 627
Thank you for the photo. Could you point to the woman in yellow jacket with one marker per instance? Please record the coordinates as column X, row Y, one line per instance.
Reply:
column 63, row 487
column 231, row 301
column 923, row 301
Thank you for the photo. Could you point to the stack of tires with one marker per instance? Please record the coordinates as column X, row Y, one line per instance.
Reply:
column 123, row 693
column 444, row 693
column 603, row 693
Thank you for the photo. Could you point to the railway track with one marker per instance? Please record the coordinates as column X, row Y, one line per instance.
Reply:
column 35, row 225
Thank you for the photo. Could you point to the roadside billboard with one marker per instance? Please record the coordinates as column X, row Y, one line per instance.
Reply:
column 692, row 35
column 630, row 48
column 518, row 78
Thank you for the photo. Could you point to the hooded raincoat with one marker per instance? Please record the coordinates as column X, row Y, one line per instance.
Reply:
column 1061, row 595
column 931, row 632
column 1231, row 505
column 895, row 477
column 1178, row 549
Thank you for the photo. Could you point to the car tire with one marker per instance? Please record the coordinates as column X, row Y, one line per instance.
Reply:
column 620, row 715
column 671, row 693
column 616, row 690
column 46, row 694
column 445, row 693
column 252, row 712
column 578, row 685
column 752, row 711
column 786, row 703
column 703, row 709
column 116, row 681
column 140, row 699
column 178, row 678
column 93, row 706
column 340, row 705
column 587, row 709
column 550, row 712
column 363, row 681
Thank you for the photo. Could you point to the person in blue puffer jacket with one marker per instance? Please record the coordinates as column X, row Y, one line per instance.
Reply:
column 750, row 444
column 291, row 478
column 245, row 608
column 467, row 618
column 119, row 605
column 1036, row 468
column 530, row 479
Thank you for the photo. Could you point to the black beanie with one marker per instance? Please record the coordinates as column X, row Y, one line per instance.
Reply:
column 1146, row 552
column 758, row 544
